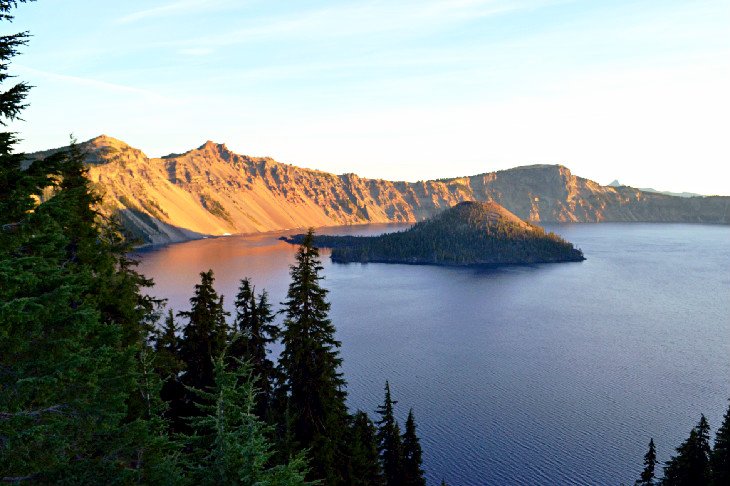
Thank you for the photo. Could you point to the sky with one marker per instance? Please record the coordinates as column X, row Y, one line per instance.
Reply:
column 637, row 91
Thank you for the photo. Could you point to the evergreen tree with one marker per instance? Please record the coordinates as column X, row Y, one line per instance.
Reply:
column 169, row 367
column 647, row 475
column 153, row 430
column 17, row 186
column 245, row 307
column 721, row 453
column 365, row 463
column 230, row 444
column 77, row 401
column 389, row 441
column 254, row 332
column 412, row 460
column 205, row 334
column 167, row 348
column 74, row 322
column 691, row 465
column 310, row 368
column 204, row 337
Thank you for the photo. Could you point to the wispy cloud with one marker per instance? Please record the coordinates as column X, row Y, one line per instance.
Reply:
column 175, row 8
column 347, row 20
column 196, row 51
column 94, row 83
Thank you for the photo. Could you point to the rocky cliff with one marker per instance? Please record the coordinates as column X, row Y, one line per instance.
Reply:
column 213, row 191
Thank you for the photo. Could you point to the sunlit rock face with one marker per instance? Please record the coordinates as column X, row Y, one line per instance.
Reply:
column 213, row 191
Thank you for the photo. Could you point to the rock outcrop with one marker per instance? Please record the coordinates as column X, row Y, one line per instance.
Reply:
column 213, row 191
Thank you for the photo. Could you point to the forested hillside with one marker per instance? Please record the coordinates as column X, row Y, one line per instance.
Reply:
column 470, row 233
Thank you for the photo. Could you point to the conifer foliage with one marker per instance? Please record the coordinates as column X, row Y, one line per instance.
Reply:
column 365, row 466
column 696, row 463
column 691, row 465
column 647, row 475
column 401, row 455
column 78, row 403
column 389, row 440
column 412, row 455
column 254, row 332
column 17, row 186
column 205, row 334
column 310, row 365
column 721, row 452
column 230, row 444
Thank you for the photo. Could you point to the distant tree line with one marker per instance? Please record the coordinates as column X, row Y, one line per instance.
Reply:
column 696, row 462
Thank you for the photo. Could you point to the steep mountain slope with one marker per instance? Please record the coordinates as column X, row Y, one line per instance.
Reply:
column 212, row 191
column 470, row 233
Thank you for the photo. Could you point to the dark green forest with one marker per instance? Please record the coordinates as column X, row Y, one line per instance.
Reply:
column 466, row 234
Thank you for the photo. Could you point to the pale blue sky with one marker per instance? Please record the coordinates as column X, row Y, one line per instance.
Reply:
column 634, row 90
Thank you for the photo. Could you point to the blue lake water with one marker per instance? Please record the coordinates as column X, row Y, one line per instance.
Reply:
column 549, row 374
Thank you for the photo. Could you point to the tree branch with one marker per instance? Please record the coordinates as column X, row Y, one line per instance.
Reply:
column 17, row 479
column 32, row 413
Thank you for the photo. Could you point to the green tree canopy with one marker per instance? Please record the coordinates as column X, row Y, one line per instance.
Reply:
column 389, row 441
column 365, row 468
column 310, row 369
column 205, row 334
column 721, row 453
column 647, row 474
column 254, row 332
column 691, row 465
column 230, row 444
column 412, row 454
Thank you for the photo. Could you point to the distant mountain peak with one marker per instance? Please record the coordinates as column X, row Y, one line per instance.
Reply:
column 211, row 145
column 216, row 149
column 104, row 140
column 488, row 212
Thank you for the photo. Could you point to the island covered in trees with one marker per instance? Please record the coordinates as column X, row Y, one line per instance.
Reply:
column 470, row 233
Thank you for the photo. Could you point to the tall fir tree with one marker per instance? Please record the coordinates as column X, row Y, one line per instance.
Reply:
column 205, row 334
column 365, row 462
column 389, row 441
column 310, row 368
column 691, row 465
column 230, row 443
column 721, row 453
column 413, row 475
column 647, row 474
column 245, row 305
column 254, row 332
column 204, row 337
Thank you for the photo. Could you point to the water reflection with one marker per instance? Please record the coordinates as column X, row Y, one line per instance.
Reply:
column 548, row 374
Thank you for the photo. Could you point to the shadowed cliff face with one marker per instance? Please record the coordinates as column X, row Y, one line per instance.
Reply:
column 212, row 191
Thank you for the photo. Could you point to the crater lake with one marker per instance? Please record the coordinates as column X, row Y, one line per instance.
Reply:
column 544, row 374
